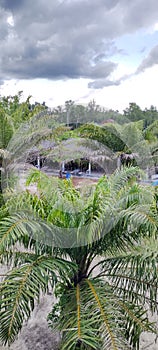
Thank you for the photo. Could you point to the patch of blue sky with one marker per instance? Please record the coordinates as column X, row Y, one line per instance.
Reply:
column 135, row 47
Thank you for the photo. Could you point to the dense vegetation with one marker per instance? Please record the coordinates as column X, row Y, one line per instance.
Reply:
column 96, row 247
column 75, row 113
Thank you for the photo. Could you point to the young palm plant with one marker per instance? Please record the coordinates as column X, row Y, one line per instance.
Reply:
column 96, row 247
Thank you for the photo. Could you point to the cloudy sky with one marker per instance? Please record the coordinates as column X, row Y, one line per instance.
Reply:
column 80, row 49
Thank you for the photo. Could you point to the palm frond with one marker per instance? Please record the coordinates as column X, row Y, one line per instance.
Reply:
column 28, row 231
column 110, row 339
column 120, row 178
column 21, row 288
column 78, row 329
column 134, row 274
column 91, row 316
column 123, row 320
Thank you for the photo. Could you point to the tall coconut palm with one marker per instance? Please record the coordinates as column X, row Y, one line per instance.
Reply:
column 97, row 248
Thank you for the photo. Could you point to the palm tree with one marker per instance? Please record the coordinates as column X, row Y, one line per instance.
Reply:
column 96, row 248
column 13, row 113
column 129, row 138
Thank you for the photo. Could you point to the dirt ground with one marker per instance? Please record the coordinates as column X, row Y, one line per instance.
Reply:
column 78, row 182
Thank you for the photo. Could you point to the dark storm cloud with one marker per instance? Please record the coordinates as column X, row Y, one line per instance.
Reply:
column 67, row 39
column 150, row 60
column 12, row 4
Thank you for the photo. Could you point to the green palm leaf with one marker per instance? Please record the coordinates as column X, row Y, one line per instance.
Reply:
column 22, row 287
column 93, row 317
column 133, row 274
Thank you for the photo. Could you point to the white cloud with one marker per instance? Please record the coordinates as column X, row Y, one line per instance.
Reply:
column 141, row 89
column 156, row 27
column 10, row 21
column 52, row 92
column 153, row 28
column 123, row 69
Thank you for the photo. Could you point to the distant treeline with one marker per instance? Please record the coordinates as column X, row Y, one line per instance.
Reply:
column 77, row 113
